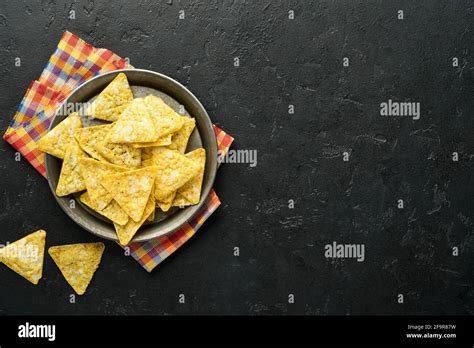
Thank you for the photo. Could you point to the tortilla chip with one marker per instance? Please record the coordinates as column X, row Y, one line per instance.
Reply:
column 180, row 138
column 167, row 203
column 78, row 263
column 148, row 162
column 167, row 121
column 125, row 233
column 164, row 206
column 92, row 172
column 136, row 124
column 70, row 179
column 173, row 171
column 131, row 189
column 120, row 154
column 110, row 103
column 112, row 211
column 25, row 256
column 89, row 139
column 180, row 201
column 151, row 217
column 56, row 141
column 192, row 189
column 166, row 140
column 146, row 154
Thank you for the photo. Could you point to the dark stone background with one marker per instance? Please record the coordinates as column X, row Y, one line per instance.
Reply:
column 283, row 62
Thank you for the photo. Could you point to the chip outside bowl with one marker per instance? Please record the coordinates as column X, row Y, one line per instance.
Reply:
column 159, row 84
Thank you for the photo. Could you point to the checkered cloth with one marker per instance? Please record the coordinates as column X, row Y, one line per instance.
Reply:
column 74, row 62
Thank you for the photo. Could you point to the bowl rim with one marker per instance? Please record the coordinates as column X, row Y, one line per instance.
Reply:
column 192, row 210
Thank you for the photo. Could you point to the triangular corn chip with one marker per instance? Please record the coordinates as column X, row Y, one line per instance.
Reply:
column 192, row 189
column 164, row 206
column 110, row 103
column 180, row 201
column 112, row 211
column 120, row 154
column 131, row 189
column 78, row 263
column 151, row 217
column 167, row 203
column 25, row 256
column 56, row 141
column 92, row 172
column 125, row 233
column 135, row 124
column 146, row 154
column 70, row 179
column 148, row 162
column 166, row 140
column 89, row 139
column 173, row 171
column 180, row 139
column 166, row 120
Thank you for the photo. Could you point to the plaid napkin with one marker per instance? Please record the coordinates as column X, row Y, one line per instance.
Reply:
column 74, row 62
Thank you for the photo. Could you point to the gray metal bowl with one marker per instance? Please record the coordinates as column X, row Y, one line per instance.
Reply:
column 142, row 82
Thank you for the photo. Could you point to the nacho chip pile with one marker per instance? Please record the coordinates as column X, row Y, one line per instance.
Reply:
column 132, row 165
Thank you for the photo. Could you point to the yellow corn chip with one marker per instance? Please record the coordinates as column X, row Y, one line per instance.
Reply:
column 192, row 189
column 92, row 172
column 169, row 198
column 166, row 140
column 146, row 154
column 110, row 103
column 164, row 206
column 148, row 162
column 151, row 217
column 125, row 233
column 180, row 201
column 89, row 139
column 173, row 171
column 166, row 120
column 56, row 141
column 70, row 179
column 93, row 141
column 180, row 139
column 112, row 211
column 136, row 124
column 131, row 189
column 167, row 203
column 25, row 256
column 78, row 263
column 120, row 154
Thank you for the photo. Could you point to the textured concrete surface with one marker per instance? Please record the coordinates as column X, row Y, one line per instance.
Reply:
column 300, row 155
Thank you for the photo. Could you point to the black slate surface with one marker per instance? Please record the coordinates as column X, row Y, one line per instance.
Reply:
column 300, row 156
